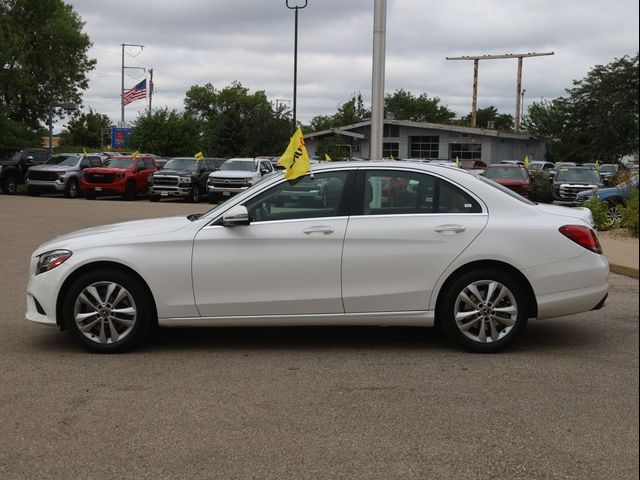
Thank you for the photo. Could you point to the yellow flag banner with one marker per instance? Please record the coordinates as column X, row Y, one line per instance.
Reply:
column 135, row 154
column 198, row 156
column 598, row 165
column 526, row 161
column 327, row 157
column 295, row 158
column 84, row 151
column 458, row 162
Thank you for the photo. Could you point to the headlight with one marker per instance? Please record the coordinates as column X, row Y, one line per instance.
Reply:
column 119, row 176
column 150, row 179
column 185, row 179
column 50, row 260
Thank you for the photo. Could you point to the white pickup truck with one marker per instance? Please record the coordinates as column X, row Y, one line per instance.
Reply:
column 236, row 175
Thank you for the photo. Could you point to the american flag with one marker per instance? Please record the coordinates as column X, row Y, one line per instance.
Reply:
column 136, row 93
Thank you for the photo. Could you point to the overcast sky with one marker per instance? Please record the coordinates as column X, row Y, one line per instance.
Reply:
column 192, row 42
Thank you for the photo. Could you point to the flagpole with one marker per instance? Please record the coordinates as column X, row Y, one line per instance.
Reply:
column 295, row 59
column 122, row 76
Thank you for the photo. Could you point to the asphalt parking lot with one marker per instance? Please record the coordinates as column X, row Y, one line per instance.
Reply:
column 307, row 402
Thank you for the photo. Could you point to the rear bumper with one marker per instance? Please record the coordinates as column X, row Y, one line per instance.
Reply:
column 587, row 275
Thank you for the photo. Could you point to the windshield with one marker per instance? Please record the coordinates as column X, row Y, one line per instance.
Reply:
column 578, row 175
column 509, row 192
column 120, row 162
column 16, row 156
column 239, row 165
column 535, row 166
column 189, row 164
column 506, row 173
column 59, row 159
column 608, row 168
column 70, row 161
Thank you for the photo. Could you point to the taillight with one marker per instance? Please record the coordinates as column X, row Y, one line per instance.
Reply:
column 583, row 236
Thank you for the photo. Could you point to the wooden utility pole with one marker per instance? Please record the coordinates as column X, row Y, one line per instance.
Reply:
column 150, row 88
column 476, row 59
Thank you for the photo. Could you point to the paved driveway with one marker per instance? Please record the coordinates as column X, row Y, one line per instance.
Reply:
column 307, row 402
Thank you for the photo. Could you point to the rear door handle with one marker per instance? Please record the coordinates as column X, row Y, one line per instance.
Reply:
column 449, row 228
column 323, row 229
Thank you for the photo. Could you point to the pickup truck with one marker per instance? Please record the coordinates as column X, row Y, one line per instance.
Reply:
column 125, row 176
column 235, row 176
column 183, row 177
column 60, row 174
column 14, row 169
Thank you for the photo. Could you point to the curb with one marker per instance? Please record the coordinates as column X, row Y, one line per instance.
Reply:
column 623, row 270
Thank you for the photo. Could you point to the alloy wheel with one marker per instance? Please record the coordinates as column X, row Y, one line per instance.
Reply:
column 105, row 312
column 485, row 311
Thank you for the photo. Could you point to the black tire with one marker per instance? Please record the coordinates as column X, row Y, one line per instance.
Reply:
column 613, row 210
column 33, row 191
column 154, row 198
column 195, row 194
column 72, row 189
column 486, row 317
column 132, row 334
column 9, row 185
column 130, row 192
column 213, row 198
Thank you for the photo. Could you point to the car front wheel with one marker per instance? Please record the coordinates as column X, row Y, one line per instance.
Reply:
column 484, row 311
column 107, row 311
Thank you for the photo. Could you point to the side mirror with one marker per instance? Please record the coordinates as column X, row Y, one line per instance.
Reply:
column 236, row 216
column 29, row 158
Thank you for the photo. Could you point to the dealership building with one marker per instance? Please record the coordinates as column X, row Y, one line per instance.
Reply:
column 405, row 139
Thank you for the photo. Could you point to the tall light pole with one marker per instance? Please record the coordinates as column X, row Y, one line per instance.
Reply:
column 377, row 82
column 295, row 58
column 522, row 104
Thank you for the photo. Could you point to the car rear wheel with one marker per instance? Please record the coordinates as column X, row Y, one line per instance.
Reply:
column 107, row 311
column 195, row 194
column 484, row 311
column 613, row 211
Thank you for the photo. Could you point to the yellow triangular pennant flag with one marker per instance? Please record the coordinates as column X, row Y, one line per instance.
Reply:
column 598, row 165
column 295, row 158
column 392, row 157
column 526, row 161
column 327, row 157
column 135, row 154
column 458, row 162
column 84, row 151
column 198, row 156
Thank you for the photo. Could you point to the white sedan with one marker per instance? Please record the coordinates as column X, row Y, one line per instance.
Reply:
column 391, row 243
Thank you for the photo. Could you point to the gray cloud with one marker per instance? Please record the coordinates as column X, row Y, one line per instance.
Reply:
column 198, row 41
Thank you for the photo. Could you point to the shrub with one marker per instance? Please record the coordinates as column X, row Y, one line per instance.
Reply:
column 630, row 216
column 599, row 212
column 541, row 187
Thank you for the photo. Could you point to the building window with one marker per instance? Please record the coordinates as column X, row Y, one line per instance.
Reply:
column 425, row 147
column 390, row 150
column 391, row 131
column 465, row 151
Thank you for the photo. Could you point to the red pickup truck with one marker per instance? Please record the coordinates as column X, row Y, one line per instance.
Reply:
column 125, row 176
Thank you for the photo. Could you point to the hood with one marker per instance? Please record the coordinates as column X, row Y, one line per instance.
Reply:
column 509, row 182
column 8, row 161
column 232, row 174
column 179, row 173
column 107, row 170
column 115, row 233
column 575, row 182
column 53, row 168
column 576, row 213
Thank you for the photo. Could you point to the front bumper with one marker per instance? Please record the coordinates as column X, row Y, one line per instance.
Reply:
column 47, row 185
column 117, row 188
column 42, row 293
column 164, row 191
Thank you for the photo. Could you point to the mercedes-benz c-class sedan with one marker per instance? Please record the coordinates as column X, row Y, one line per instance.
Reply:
column 392, row 243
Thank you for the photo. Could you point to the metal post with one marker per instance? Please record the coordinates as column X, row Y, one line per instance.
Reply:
column 474, row 100
column 377, row 83
column 51, row 132
column 295, row 60
column 150, row 88
column 122, row 89
column 518, row 94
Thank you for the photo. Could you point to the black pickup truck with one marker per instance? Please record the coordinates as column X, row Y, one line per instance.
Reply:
column 183, row 177
column 13, row 170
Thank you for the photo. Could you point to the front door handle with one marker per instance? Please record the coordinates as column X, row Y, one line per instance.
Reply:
column 323, row 229
column 449, row 229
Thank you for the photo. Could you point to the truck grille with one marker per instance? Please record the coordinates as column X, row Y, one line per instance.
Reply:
column 569, row 192
column 98, row 177
column 233, row 183
column 43, row 175
column 165, row 180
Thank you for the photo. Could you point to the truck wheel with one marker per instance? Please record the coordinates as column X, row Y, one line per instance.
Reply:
column 130, row 191
column 9, row 185
column 72, row 190
column 213, row 198
column 195, row 194
column 33, row 191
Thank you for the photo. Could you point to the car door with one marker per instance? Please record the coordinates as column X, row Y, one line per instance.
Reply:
column 286, row 262
column 407, row 228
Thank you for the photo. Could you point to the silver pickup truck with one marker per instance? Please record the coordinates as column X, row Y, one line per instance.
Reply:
column 235, row 176
column 60, row 174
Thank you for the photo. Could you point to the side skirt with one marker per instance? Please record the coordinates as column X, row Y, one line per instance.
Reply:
column 422, row 318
